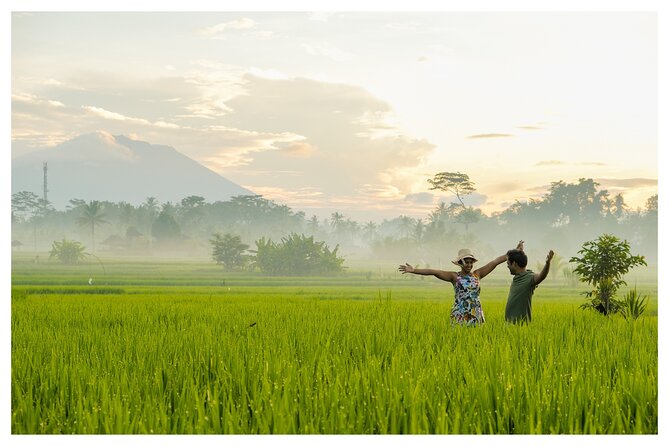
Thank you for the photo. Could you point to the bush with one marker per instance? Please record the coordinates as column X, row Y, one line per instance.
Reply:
column 297, row 255
column 603, row 263
column 228, row 250
column 68, row 252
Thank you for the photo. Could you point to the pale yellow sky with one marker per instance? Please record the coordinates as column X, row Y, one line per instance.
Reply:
column 354, row 111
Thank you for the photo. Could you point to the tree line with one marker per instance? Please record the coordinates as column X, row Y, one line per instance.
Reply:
column 566, row 216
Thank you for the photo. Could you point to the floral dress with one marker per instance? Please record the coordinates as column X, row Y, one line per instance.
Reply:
column 467, row 307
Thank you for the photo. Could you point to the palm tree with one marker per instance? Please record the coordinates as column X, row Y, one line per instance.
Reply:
column 150, row 210
column 370, row 230
column 91, row 215
column 336, row 220
column 418, row 230
column 436, row 215
column 406, row 224
column 312, row 225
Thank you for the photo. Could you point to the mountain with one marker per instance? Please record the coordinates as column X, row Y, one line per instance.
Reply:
column 100, row 166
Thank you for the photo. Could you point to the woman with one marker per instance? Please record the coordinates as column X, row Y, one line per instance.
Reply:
column 466, row 283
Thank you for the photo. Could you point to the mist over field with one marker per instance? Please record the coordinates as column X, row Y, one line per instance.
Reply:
column 566, row 217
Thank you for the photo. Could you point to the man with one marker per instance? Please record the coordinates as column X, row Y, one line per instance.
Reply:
column 519, row 303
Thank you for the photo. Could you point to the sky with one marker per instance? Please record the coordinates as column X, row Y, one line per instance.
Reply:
column 354, row 111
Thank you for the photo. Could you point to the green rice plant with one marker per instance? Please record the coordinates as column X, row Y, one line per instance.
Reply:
column 176, row 351
column 265, row 361
column 633, row 304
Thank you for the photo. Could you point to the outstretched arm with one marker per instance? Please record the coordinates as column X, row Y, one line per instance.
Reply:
column 489, row 267
column 539, row 277
column 448, row 276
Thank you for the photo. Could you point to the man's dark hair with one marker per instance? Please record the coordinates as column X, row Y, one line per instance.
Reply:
column 518, row 256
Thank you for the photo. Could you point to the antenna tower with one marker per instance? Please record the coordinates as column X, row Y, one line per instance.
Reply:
column 44, row 166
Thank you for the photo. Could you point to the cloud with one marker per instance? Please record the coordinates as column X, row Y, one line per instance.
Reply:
column 538, row 190
column 490, row 135
column 342, row 122
column 218, row 30
column 52, row 82
column 380, row 191
column 506, row 186
column 27, row 98
column 330, row 52
column 420, row 198
column 269, row 74
column 319, row 16
column 106, row 114
column 334, row 139
column 550, row 163
column 303, row 197
column 626, row 183
column 475, row 199
column 565, row 163
column 529, row 127
column 296, row 149
column 592, row 163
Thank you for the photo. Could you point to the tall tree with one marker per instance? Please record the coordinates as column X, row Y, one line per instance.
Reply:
column 166, row 228
column 150, row 210
column 92, row 216
column 192, row 211
column 369, row 230
column 459, row 184
column 312, row 225
column 336, row 221
column 619, row 206
column 651, row 204
column 228, row 250
column 454, row 182
column 24, row 203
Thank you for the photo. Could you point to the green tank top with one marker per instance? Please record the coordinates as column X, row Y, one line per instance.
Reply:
column 519, row 303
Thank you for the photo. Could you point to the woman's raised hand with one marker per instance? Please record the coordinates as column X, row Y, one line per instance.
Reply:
column 406, row 268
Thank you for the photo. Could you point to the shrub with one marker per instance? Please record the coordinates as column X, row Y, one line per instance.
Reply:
column 297, row 255
column 633, row 304
column 603, row 263
column 228, row 250
column 68, row 252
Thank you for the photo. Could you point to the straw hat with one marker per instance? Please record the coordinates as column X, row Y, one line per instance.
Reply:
column 464, row 253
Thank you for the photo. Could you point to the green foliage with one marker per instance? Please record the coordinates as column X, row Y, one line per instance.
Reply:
column 166, row 228
column 603, row 263
column 633, row 304
column 24, row 202
column 69, row 252
column 602, row 298
column 297, row 255
column 322, row 360
column 91, row 216
column 228, row 250
column 651, row 204
column 455, row 182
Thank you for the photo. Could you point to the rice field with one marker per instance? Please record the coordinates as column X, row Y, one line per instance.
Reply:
column 149, row 351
